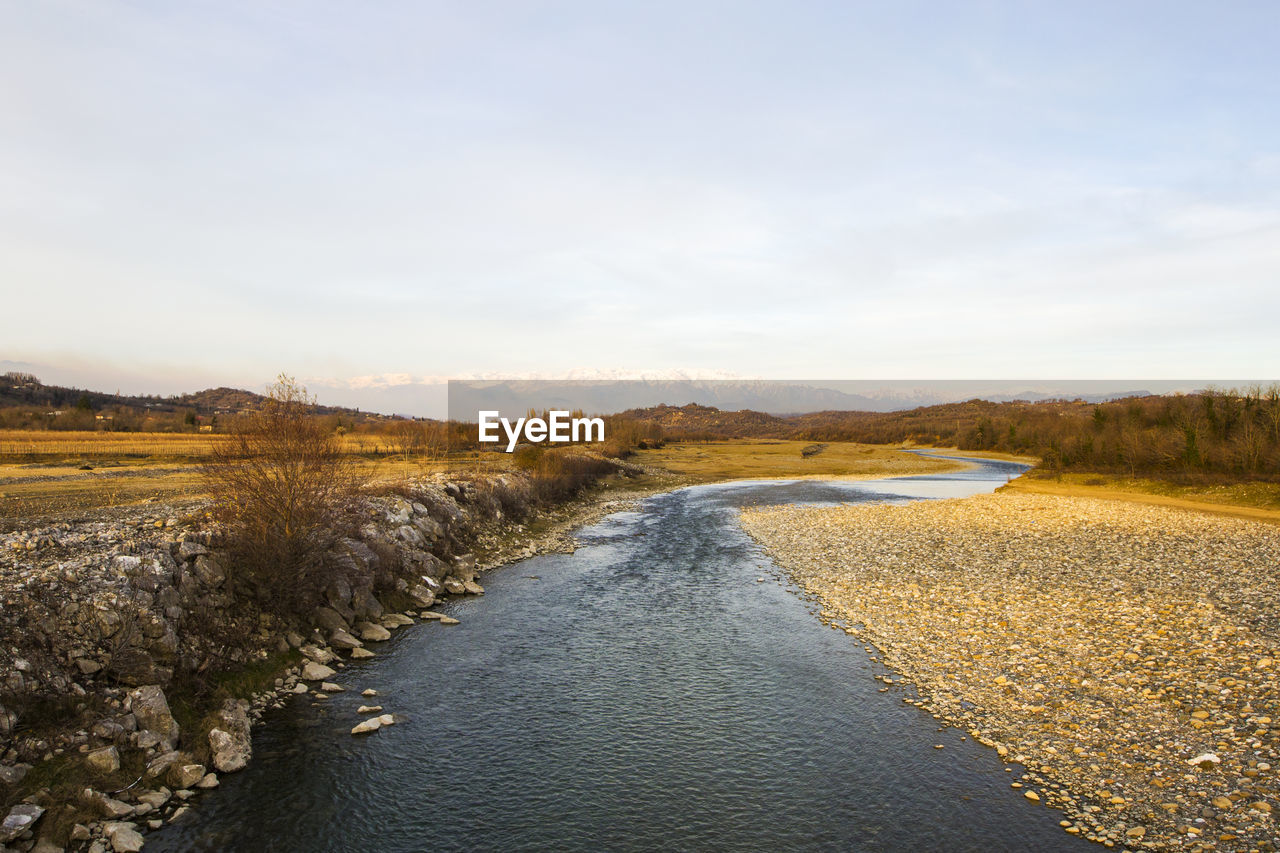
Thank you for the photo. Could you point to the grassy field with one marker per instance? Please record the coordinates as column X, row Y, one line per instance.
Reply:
column 35, row 490
column 67, row 445
column 52, row 473
column 1258, row 501
column 768, row 459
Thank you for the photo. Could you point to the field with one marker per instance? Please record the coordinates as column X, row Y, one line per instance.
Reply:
column 1258, row 501
column 54, row 472
column 768, row 459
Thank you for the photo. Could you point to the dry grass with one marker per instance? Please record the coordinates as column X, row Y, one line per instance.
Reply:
column 1254, row 500
column 44, row 444
column 764, row 459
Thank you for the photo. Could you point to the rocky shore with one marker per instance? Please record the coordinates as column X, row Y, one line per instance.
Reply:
column 105, row 621
column 1122, row 658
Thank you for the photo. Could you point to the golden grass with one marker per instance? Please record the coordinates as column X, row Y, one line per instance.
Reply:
column 766, row 459
column 1256, row 501
column 32, row 444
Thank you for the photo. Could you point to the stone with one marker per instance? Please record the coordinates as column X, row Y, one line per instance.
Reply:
column 210, row 780
column 368, row 691
column 124, row 837
column 318, row 654
column 191, row 550
column 47, row 845
column 454, row 586
column 21, row 818
column 430, row 614
column 422, row 595
column 13, row 774
column 1205, row 761
column 1032, row 795
column 449, row 620
column 472, row 588
column 1222, row 803
column 209, row 571
column 387, row 720
column 156, row 799
column 151, row 709
column 1135, row 832
column 104, row 760
column 313, row 671
column 330, row 619
column 342, row 640
column 372, row 633
column 361, row 654
column 369, row 709
column 396, row 620
column 182, row 775
column 330, row 687
column 365, row 605
column 464, row 567
column 229, row 741
column 88, row 666
column 366, row 726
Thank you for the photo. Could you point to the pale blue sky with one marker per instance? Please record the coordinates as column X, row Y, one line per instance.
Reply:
column 208, row 193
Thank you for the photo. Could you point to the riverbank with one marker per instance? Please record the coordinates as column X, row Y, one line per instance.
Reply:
column 125, row 648
column 1124, row 653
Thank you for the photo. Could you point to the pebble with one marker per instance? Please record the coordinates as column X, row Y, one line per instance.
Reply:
column 1107, row 646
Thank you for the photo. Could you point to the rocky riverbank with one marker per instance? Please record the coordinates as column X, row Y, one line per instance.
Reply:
column 109, row 621
column 1124, row 656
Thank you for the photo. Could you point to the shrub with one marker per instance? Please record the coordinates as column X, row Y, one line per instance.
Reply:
column 279, row 487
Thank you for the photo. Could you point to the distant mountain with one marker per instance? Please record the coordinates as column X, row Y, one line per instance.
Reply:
column 25, row 390
column 603, row 396
column 694, row 420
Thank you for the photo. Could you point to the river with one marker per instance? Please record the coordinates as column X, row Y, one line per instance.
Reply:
column 646, row 692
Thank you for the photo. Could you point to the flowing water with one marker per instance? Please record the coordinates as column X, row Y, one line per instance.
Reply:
column 643, row 693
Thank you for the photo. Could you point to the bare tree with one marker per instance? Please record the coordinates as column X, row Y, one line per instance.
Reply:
column 278, row 486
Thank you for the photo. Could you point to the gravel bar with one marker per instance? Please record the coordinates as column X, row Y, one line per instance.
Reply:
column 1124, row 655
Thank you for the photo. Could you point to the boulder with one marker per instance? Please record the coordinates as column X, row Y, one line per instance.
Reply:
column 372, row 633
column 453, row 586
column 396, row 620
column 330, row 619
column 361, row 653
column 313, row 671
column 151, row 709
column 464, row 567
column 342, row 640
column 230, row 741
column 191, row 550
column 104, row 760
column 472, row 588
column 21, row 818
column 338, row 594
column 124, row 837
column 13, row 774
column 209, row 572
column 184, row 775
column 318, row 654
column 366, row 605
column 428, row 527
column 367, row 726
column 422, row 595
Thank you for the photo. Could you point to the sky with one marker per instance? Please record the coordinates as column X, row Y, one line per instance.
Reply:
column 372, row 194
